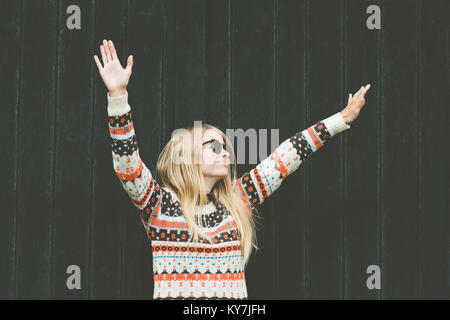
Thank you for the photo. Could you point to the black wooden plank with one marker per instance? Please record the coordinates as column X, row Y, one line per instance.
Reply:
column 399, row 180
column 447, row 119
column 35, row 184
column 433, row 95
column 110, row 201
column 362, row 216
column 145, row 22
column 73, row 151
column 325, row 91
column 10, row 68
column 184, row 65
column 217, row 108
column 253, row 107
column 169, row 67
column 191, row 71
column 291, row 208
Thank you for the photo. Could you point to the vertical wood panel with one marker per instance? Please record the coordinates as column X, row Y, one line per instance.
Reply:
column 169, row 67
column 253, row 107
column 325, row 168
column 10, row 68
column 447, row 119
column 36, row 153
column 291, row 204
column 362, row 150
column 185, row 60
column 400, row 153
column 110, row 202
column 73, row 151
column 217, row 108
column 433, row 95
column 145, row 94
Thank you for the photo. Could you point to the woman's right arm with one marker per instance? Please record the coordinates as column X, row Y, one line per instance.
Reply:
column 134, row 176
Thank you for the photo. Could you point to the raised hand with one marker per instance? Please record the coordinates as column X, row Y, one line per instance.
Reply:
column 354, row 104
column 114, row 76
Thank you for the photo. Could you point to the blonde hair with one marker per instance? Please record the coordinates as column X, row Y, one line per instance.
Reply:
column 185, row 178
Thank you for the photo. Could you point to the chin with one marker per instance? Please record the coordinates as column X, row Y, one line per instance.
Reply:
column 222, row 173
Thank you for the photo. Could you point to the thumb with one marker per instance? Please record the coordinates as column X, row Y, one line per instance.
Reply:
column 130, row 62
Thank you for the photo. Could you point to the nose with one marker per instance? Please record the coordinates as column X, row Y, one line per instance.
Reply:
column 225, row 154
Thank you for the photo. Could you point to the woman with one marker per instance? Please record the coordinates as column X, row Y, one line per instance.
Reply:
column 199, row 218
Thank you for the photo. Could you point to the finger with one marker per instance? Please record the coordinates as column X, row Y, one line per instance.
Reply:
column 359, row 91
column 130, row 62
column 363, row 92
column 108, row 53
column 358, row 94
column 113, row 50
column 104, row 58
column 349, row 98
column 367, row 87
column 99, row 65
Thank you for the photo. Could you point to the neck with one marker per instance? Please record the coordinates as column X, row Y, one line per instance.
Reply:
column 209, row 183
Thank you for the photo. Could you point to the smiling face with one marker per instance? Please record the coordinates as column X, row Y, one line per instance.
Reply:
column 214, row 165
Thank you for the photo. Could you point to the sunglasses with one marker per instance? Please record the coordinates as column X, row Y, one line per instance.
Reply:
column 216, row 145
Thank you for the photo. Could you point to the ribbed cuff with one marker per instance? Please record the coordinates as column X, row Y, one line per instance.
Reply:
column 335, row 124
column 118, row 106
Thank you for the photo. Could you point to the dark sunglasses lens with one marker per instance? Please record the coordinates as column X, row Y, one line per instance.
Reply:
column 217, row 146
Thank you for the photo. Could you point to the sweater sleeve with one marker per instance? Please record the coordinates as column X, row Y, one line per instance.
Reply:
column 134, row 176
column 261, row 182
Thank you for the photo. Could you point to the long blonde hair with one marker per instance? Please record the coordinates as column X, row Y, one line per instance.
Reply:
column 185, row 178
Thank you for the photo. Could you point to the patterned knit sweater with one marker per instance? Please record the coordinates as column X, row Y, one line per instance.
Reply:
column 202, row 270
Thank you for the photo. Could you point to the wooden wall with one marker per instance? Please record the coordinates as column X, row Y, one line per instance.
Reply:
column 376, row 194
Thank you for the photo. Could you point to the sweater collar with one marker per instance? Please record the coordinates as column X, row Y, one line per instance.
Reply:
column 211, row 197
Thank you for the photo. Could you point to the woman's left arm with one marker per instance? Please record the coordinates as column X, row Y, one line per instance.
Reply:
column 261, row 182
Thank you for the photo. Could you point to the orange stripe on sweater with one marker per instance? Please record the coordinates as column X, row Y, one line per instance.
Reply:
column 155, row 221
column 314, row 138
column 119, row 131
column 228, row 247
column 243, row 194
column 130, row 176
column 199, row 276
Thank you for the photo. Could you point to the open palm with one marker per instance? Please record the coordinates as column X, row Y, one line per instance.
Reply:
column 114, row 76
